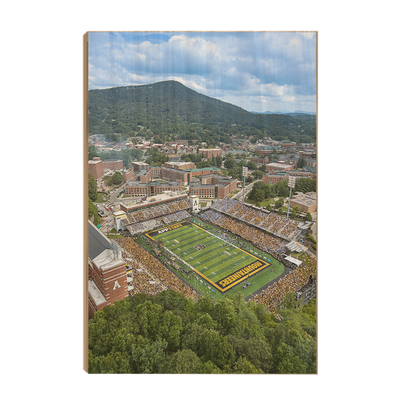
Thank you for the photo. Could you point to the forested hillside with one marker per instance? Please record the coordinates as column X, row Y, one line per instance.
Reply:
column 172, row 334
column 169, row 109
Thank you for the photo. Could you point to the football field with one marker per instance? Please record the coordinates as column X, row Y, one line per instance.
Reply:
column 219, row 263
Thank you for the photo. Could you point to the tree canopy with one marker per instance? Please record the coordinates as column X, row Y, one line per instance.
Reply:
column 171, row 110
column 169, row 333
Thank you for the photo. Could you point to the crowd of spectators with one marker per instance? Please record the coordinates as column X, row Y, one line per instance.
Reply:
column 143, row 258
column 273, row 295
column 141, row 284
column 158, row 211
column 178, row 216
column 260, row 239
column 274, row 223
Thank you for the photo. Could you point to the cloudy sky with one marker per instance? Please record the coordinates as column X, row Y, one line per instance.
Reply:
column 257, row 71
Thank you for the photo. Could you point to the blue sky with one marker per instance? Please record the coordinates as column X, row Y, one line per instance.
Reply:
column 258, row 71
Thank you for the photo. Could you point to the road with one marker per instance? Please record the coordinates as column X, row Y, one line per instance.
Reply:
column 239, row 195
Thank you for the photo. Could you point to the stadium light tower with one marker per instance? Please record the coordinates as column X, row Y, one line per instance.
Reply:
column 245, row 172
column 291, row 184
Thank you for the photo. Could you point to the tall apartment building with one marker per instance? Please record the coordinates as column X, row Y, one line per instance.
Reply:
column 96, row 168
column 107, row 272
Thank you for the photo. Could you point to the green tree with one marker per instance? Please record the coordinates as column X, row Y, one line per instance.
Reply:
column 222, row 353
column 117, row 178
column 92, row 188
column 289, row 301
column 259, row 195
column 301, row 162
column 293, row 213
column 244, row 366
column 170, row 329
column 252, row 165
column 219, row 161
column 93, row 212
column 282, row 189
column 279, row 203
column 230, row 163
column 257, row 174
column 148, row 357
column 92, row 152
column 184, row 362
column 308, row 217
column 267, row 191
column 206, row 321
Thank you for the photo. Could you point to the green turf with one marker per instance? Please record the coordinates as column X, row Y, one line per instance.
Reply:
column 214, row 258
column 212, row 261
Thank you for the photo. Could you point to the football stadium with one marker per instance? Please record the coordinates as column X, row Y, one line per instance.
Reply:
column 214, row 258
column 230, row 248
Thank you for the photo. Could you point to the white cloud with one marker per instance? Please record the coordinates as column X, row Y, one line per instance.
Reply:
column 251, row 71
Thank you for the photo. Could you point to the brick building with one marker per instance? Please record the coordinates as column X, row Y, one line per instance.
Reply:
column 287, row 143
column 96, row 168
column 209, row 153
column 272, row 178
column 107, row 272
column 140, row 189
column 260, row 160
column 262, row 150
column 212, row 186
column 113, row 164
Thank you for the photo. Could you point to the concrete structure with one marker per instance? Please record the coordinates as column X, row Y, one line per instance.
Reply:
column 118, row 217
column 308, row 291
column 180, row 165
column 107, row 272
column 147, row 209
column 138, row 165
column 306, row 202
column 194, row 203
column 279, row 167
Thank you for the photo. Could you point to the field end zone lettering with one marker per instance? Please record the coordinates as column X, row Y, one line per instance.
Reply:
column 242, row 272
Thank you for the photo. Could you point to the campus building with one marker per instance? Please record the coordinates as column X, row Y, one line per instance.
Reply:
column 272, row 178
column 107, row 271
column 279, row 167
column 209, row 153
column 141, row 189
column 179, row 165
column 306, row 202
column 212, row 186
column 96, row 168
column 113, row 164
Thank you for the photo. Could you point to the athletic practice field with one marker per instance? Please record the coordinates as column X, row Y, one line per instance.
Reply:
column 219, row 263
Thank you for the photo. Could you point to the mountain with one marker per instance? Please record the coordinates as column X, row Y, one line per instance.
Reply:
column 296, row 112
column 170, row 109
